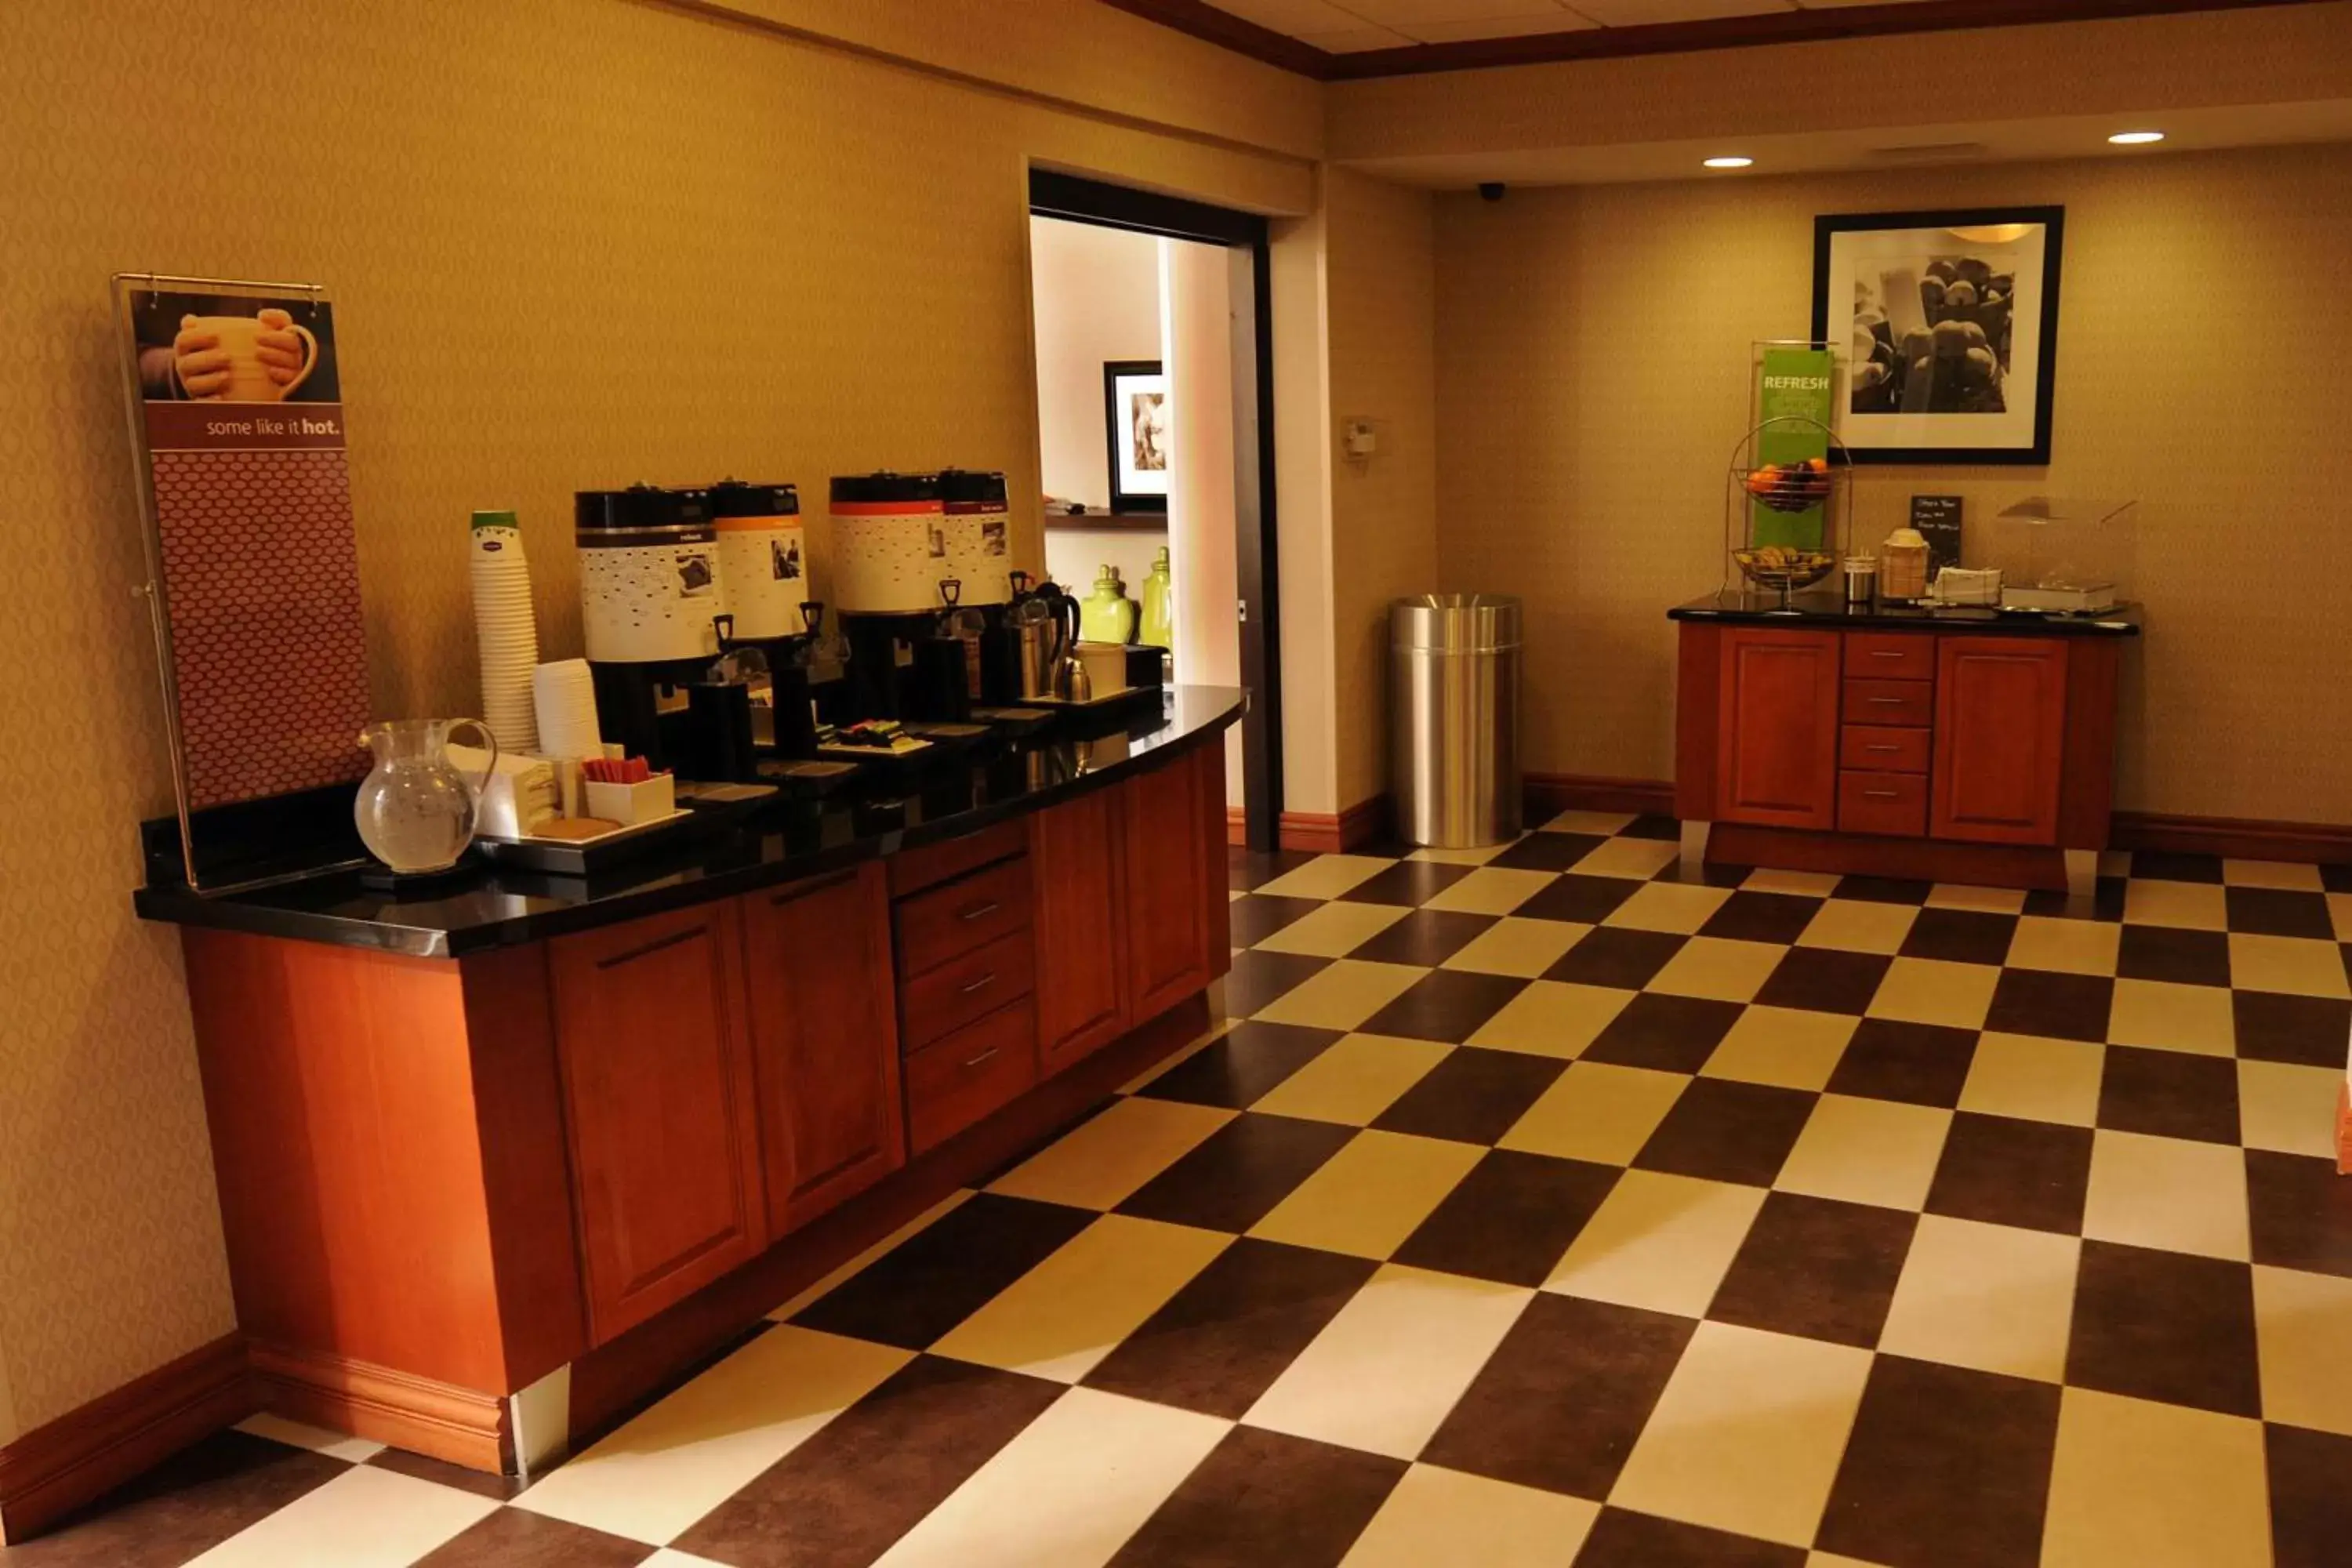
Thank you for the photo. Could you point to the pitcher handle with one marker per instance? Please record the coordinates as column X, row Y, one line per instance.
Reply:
column 310, row 357
column 491, row 768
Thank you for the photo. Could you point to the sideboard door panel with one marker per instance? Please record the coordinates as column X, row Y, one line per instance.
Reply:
column 1777, row 736
column 2000, row 730
column 1169, row 933
column 1076, row 854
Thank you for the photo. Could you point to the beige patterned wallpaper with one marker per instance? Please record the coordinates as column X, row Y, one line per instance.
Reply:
column 573, row 243
column 1591, row 381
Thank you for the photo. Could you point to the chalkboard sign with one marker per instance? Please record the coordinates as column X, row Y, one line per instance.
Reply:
column 1937, row 519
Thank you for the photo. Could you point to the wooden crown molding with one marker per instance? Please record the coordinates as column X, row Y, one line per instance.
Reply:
column 1205, row 22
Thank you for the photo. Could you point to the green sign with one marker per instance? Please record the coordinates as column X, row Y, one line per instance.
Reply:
column 1794, row 383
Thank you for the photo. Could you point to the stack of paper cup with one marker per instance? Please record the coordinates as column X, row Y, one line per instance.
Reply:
column 565, row 700
column 504, row 629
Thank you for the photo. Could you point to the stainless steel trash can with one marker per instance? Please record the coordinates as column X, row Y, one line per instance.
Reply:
column 1453, row 718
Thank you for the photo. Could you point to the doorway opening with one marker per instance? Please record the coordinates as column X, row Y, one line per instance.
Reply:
column 1156, row 432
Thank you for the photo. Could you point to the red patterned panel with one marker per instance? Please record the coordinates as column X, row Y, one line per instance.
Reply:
column 268, row 647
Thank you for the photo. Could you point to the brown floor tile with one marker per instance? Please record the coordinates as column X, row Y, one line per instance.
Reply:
column 839, row 1499
column 1653, row 825
column 1547, row 851
column 1960, row 936
column 2173, row 954
column 2309, row 1031
column 1445, row 1005
column 2301, row 1212
column 1510, row 1219
column 1945, row 1466
column 1729, row 1132
column 2106, row 902
column 1257, row 978
column 1409, row 882
column 1825, row 980
column 2171, row 1094
column 1919, row 1064
column 946, row 1271
column 2170, row 868
column 1817, row 1267
column 1616, row 956
column 1262, row 1497
column 1425, row 938
column 1884, row 889
column 2336, row 877
column 481, row 1483
column 1219, row 1342
column 517, row 1538
column 2033, row 1175
column 1562, row 1400
column 1258, row 916
column 1620, row 1538
column 2165, row 1326
column 1588, row 901
column 2275, row 911
column 1671, row 1034
column 1244, row 1062
column 1762, row 917
column 1474, row 1095
column 185, row 1506
column 2060, row 1007
column 1236, row 1175
column 2311, row 1497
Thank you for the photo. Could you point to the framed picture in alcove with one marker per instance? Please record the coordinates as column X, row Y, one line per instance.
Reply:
column 1952, row 324
column 1135, row 413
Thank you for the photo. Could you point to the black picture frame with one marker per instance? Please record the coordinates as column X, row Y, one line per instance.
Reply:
column 2041, row 377
column 1125, row 499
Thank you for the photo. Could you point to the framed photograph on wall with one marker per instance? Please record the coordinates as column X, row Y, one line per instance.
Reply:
column 1135, row 413
column 1952, row 318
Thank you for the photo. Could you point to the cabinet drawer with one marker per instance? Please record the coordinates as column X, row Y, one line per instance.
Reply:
column 1872, row 749
column 979, row 1069
column 949, row 920
column 1910, row 704
column 1883, row 802
column 962, row 989
column 912, row 870
column 1899, row 656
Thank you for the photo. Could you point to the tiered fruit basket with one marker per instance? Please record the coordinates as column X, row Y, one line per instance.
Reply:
column 1791, row 489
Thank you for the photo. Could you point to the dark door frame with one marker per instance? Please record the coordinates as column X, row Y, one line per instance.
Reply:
column 1245, row 239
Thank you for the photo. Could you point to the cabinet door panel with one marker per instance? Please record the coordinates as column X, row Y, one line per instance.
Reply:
column 1777, row 728
column 2000, row 730
column 825, row 1041
column 1168, row 925
column 658, row 1104
column 1074, row 852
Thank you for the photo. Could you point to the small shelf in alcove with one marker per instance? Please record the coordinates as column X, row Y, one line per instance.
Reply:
column 1111, row 522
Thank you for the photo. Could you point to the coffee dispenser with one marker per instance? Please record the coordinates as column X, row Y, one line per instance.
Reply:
column 650, row 599
column 890, row 553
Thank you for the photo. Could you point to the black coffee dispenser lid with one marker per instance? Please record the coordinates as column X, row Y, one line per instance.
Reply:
column 874, row 489
column 640, row 509
column 733, row 498
column 967, row 489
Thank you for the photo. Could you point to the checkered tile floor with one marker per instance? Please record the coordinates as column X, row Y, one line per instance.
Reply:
column 1533, row 1206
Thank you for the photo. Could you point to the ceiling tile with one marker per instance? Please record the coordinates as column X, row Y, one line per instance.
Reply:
column 1642, row 13
column 1356, row 40
column 1297, row 17
column 1496, row 28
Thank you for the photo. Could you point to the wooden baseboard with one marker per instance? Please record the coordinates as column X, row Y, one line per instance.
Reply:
column 1549, row 795
column 462, row 1425
column 1911, row 859
column 2238, row 838
column 1236, row 825
column 1335, row 833
column 54, row 1469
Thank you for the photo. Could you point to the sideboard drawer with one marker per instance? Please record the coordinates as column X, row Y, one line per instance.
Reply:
column 1883, row 802
column 968, row 1075
column 957, row 991
column 1890, row 656
column 1910, row 704
column 949, row 920
column 1871, row 748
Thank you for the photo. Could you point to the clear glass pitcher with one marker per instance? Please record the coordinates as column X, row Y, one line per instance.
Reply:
column 415, row 809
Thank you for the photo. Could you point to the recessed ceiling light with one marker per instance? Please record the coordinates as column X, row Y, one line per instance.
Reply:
column 1729, row 162
column 2136, row 138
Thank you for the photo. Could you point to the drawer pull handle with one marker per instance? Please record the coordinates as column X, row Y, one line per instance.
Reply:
column 984, row 1055
column 1882, row 748
column 1883, row 794
column 979, row 912
column 1884, row 653
column 1888, row 701
column 980, row 985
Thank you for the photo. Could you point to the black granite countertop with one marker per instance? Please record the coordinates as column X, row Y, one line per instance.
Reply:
column 779, row 842
column 1816, row 608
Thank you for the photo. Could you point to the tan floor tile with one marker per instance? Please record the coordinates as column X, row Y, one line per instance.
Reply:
column 1679, row 908
column 1983, row 900
column 1342, row 994
column 1799, row 884
column 2167, row 1193
column 364, row 1517
column 1491, row 891
column 2300, row 965
column 1072, row 1310
column 1715, row 966
column 2066, row 947
column 1099, row 1163
column 1067, row 1491
column 1438, row 1515
column 317, row 1439
column 2035, row 1079
column 1334, row 931
column 1352, row 1387
column 2154, row 1485
column 1867, row 1152
column 1931, row 990
column 2339, row 913
column 1366, row 1198
column 1747, row 1434
column 1325, row 877
column 1600, row 824
column 1658, row 1241
column 2288, row 1108
column 1789, row 1047
column 1511, row 946
column 2195, row 905
column 2195, row 1019
column 2293, row 876
column 1639, row 859
column 1831, row 1560
column 1989, row 1297
column 1468, row 855
column 2304, row 1324
column 1354, row 1079
column 1552, row 1018
column 1596, row 1111
column 667, row 1468
column 1859, row 927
